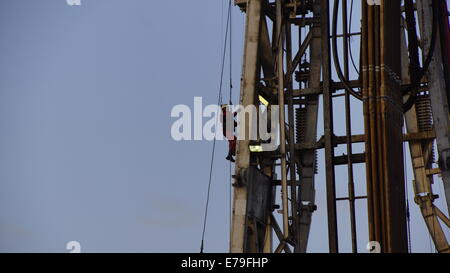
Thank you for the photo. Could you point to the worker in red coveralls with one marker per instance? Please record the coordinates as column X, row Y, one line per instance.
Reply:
column 228, row 133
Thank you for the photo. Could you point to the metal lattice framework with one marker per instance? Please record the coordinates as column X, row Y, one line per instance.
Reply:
column 296, row 74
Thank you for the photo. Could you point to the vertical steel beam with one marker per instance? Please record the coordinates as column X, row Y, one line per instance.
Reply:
column 291, row 114
column 280, row 72
column 328, row 128
column 307, row 159
column 348, row 126
column 250, row 78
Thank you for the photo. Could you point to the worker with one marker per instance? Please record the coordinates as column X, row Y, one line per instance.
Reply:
column 228, row 133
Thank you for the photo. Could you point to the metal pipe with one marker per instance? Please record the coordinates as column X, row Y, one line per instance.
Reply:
column 328, row 127
column 351, row 186
column 284, row 190
column 290, row 87
column 380, row 129
column 385, row 191
column 375, row 193
column 367, row 115
column 392, row 120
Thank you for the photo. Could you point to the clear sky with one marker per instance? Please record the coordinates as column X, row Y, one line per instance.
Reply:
column 86, row 152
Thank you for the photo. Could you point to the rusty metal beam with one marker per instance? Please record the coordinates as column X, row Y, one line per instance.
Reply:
column 328, row 128
column 250, row 78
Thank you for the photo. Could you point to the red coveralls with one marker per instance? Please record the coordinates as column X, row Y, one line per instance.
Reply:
column 230, row 133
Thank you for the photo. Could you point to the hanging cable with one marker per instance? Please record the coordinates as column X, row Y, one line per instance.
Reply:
column 337, row 63
column 219, row 102
column 408, row 214
column 231, row 103
column 350, row 38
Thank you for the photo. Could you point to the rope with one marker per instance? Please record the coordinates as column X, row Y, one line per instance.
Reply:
column 350, row 38
column 408, row 215
column 337, row 63
column 230, row 195
column 219, row 102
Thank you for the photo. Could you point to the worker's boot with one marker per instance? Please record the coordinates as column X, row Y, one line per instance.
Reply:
column 230, row 158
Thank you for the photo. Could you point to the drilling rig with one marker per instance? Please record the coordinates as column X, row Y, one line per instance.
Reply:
column 296, row 56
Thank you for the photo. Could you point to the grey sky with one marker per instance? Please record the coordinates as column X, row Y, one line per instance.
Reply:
column 86, row 152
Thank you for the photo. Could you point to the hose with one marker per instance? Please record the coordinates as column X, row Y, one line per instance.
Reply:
column 337, row 63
